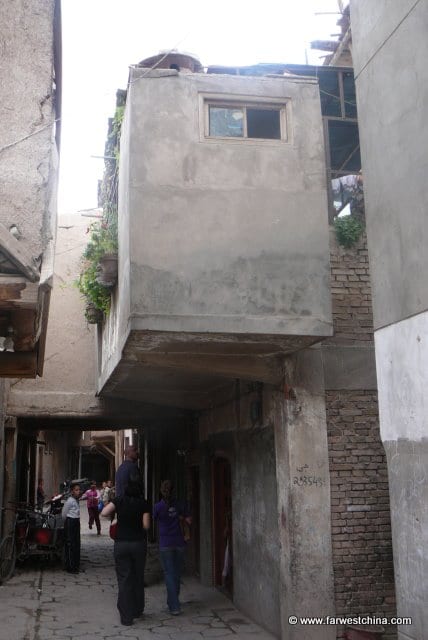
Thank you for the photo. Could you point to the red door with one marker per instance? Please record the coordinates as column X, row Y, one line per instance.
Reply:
column 222, row 524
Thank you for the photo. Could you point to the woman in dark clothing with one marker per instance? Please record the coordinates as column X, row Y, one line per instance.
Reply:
column 130, row 548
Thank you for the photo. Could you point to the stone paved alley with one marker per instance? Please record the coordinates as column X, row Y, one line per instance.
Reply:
column 44, row 603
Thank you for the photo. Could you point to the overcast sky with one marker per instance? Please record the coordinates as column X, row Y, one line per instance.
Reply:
column 101, row 38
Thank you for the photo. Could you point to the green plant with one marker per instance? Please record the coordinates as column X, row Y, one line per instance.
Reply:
column 103, row 240
column 103, row 233
column 94, row 292
column 348, row 230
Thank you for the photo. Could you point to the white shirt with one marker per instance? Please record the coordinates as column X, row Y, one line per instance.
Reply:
column 71, row 508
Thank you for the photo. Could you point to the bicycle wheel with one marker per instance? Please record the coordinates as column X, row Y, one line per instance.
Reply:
column 7, row 558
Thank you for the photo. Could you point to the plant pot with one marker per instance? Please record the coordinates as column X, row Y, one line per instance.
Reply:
column 364, row 632
column 93, row 315
column 107, row 270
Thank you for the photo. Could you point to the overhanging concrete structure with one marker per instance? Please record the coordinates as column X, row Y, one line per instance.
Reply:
column 223, row 239
column 30, row 94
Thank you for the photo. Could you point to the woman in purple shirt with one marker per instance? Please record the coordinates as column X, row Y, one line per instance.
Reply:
column 171, row 518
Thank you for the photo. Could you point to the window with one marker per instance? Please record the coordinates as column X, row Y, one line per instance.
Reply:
column 246, row 121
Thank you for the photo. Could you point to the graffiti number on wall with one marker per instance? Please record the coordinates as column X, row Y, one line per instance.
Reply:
column 308, row 481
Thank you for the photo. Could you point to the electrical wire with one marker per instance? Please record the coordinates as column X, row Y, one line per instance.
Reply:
column 30, row 135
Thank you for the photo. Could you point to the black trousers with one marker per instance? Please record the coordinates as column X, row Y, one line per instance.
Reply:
column 72, row 544
column 130, row 561
column 94, row 516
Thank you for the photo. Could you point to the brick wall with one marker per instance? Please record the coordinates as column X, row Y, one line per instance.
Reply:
column 351, row 293
column 361, row 527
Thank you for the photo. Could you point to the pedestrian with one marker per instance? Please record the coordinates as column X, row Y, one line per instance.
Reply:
column 130, row 547
column 112, row 492
column 172, row 518
column 125, row 469
column 93, row 497
column 106, row 492
column 40, row 494
column 71, row 516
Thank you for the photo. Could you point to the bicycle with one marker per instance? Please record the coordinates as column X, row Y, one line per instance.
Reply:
column 8, row 546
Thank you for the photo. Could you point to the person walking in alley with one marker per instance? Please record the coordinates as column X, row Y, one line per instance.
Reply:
column 172, row 518
column 130, row 547
column 71, row 516
column 125, row 469
column 93, row 497
column 106, row 492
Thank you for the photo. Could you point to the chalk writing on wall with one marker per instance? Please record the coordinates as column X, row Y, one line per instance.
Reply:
column 306, row 478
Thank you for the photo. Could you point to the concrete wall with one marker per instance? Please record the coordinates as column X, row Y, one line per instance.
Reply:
column 28, row 166
column 281, row 524
column 303, row 487
column 68, row 384
column 402, row 356
column 392, row 93
column 254, row 519
column 56, row 460
column 219, row 229
column 390, row 48
column 255, row 528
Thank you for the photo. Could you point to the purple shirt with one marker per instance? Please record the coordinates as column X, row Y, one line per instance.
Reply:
column 168, row 517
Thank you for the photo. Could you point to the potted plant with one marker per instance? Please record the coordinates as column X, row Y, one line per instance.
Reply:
column 99, row 261
column 92, row 283
column 107, row 270
column 92, row 314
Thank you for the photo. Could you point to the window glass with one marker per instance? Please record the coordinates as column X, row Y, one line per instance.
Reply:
column 344, row 146
column 330, row 94
column 349, row 95
column 226, row 122
column 263, row 123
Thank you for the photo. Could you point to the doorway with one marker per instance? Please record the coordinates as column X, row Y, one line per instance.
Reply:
column 222, row 524
column 194, row 510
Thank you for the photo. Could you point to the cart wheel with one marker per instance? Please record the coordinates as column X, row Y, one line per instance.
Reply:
column 7, row 558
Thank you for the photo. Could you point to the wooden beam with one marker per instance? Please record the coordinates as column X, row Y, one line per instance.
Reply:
column 17, row 293
column 324, row 45
column 18, row 365
column 45, row 296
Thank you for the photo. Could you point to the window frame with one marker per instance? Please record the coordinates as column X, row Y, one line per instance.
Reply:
column 245, row 102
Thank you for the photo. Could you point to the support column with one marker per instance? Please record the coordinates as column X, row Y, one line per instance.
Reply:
column 2, row 447
column 306, row 572
column 9, row 493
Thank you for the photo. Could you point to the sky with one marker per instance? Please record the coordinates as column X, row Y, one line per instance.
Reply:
column 101, row 38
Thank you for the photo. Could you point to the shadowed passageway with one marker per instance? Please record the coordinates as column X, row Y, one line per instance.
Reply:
column 48, row 603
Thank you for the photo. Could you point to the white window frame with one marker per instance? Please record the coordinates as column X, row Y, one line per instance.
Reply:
column 243, row 102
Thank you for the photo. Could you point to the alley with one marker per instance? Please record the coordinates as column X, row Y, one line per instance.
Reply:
column 40, row 604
